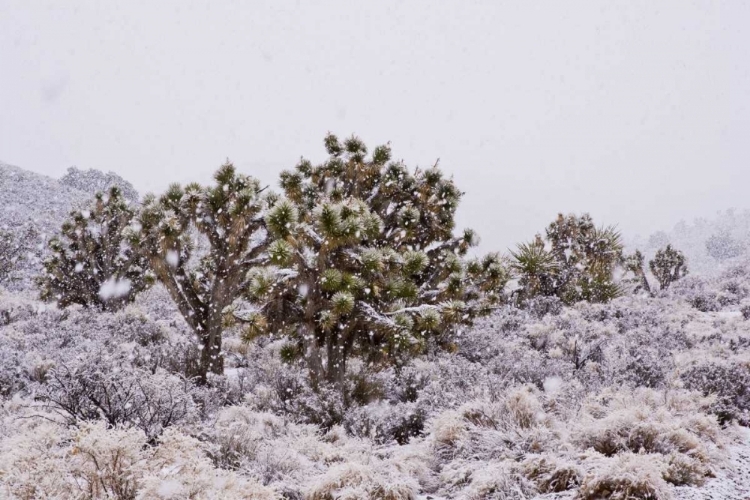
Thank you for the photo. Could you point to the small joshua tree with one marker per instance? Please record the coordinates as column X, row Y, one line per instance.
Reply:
column 228, row 219
column 574, row 261
column 634, row 264
column 92, row 263
column 365, row 261
column 668, row 266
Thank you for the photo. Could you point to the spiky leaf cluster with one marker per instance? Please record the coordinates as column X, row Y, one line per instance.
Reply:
column 377, row 270
column 92, row 261
column 574, row 261
column 227, row 219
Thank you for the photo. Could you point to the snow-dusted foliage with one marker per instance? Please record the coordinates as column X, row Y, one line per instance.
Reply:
column 367, row 263
column 642, row 397
column 574, row 260
column 92, row 264
column 229, row 217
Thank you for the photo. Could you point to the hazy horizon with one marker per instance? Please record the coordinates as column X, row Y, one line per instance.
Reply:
column 637, row 113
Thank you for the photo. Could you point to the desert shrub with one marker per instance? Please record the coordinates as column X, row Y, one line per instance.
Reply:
column 729, row 382
column 646, row 370
column 47, row 460
column 386, row 422
column 119, row 395
column 485, row 481
column 552, row 474
column 745, row 310
column 541, row 306
column 11, row 252
column 352, row 481
column 627, row 477
column 684, row 470
column 706, row 302
column 640, row 422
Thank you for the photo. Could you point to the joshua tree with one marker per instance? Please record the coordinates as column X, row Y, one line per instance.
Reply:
column 668, row 266
column 227, row 219
column 574, row 261
column 365, row 261
column 92, row 264
column 634, row 264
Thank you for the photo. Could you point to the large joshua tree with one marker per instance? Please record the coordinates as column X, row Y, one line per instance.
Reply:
column 92, row 263
column 365, row 261
column 226, row 221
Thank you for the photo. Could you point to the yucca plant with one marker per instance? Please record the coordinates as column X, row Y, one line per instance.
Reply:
column 574, row 261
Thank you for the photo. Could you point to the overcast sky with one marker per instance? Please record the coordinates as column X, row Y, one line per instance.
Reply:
column 637, row 112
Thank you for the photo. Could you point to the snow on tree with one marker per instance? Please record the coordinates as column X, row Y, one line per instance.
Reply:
column 365, row 261
column 92, row 264
column 229, row 215
column 574, row 261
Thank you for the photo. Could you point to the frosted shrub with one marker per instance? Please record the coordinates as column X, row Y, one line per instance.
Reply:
column 618, row 424
column 627, row 477
column 552, row 474
column 47, row 460
column 32, row 462
column 385, row 422
column 264, row 446
column 729, row 382
column 106, row 462
column 486, row 481
column 373, row 481
column 178, row 468
column 148, row 401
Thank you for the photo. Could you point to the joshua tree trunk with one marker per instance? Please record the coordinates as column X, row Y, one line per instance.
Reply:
column 312, row 351
column 212, row 360
column 336, row 368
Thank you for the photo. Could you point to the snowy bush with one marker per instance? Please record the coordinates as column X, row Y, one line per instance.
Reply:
column 627, row 477
column 728, row 382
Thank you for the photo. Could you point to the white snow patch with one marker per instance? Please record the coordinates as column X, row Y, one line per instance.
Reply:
column 552, row 384
column 114, row 288
column 173, row 258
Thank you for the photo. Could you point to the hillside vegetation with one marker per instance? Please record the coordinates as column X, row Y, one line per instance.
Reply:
column 336, row 340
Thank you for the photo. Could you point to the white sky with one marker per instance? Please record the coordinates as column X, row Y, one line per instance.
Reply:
column 634, row 111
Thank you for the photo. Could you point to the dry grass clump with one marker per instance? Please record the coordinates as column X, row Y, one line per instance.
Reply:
column 483, row 480
column 356, row 481
column 552, row 474
column 626, row 477
column 49, row 460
